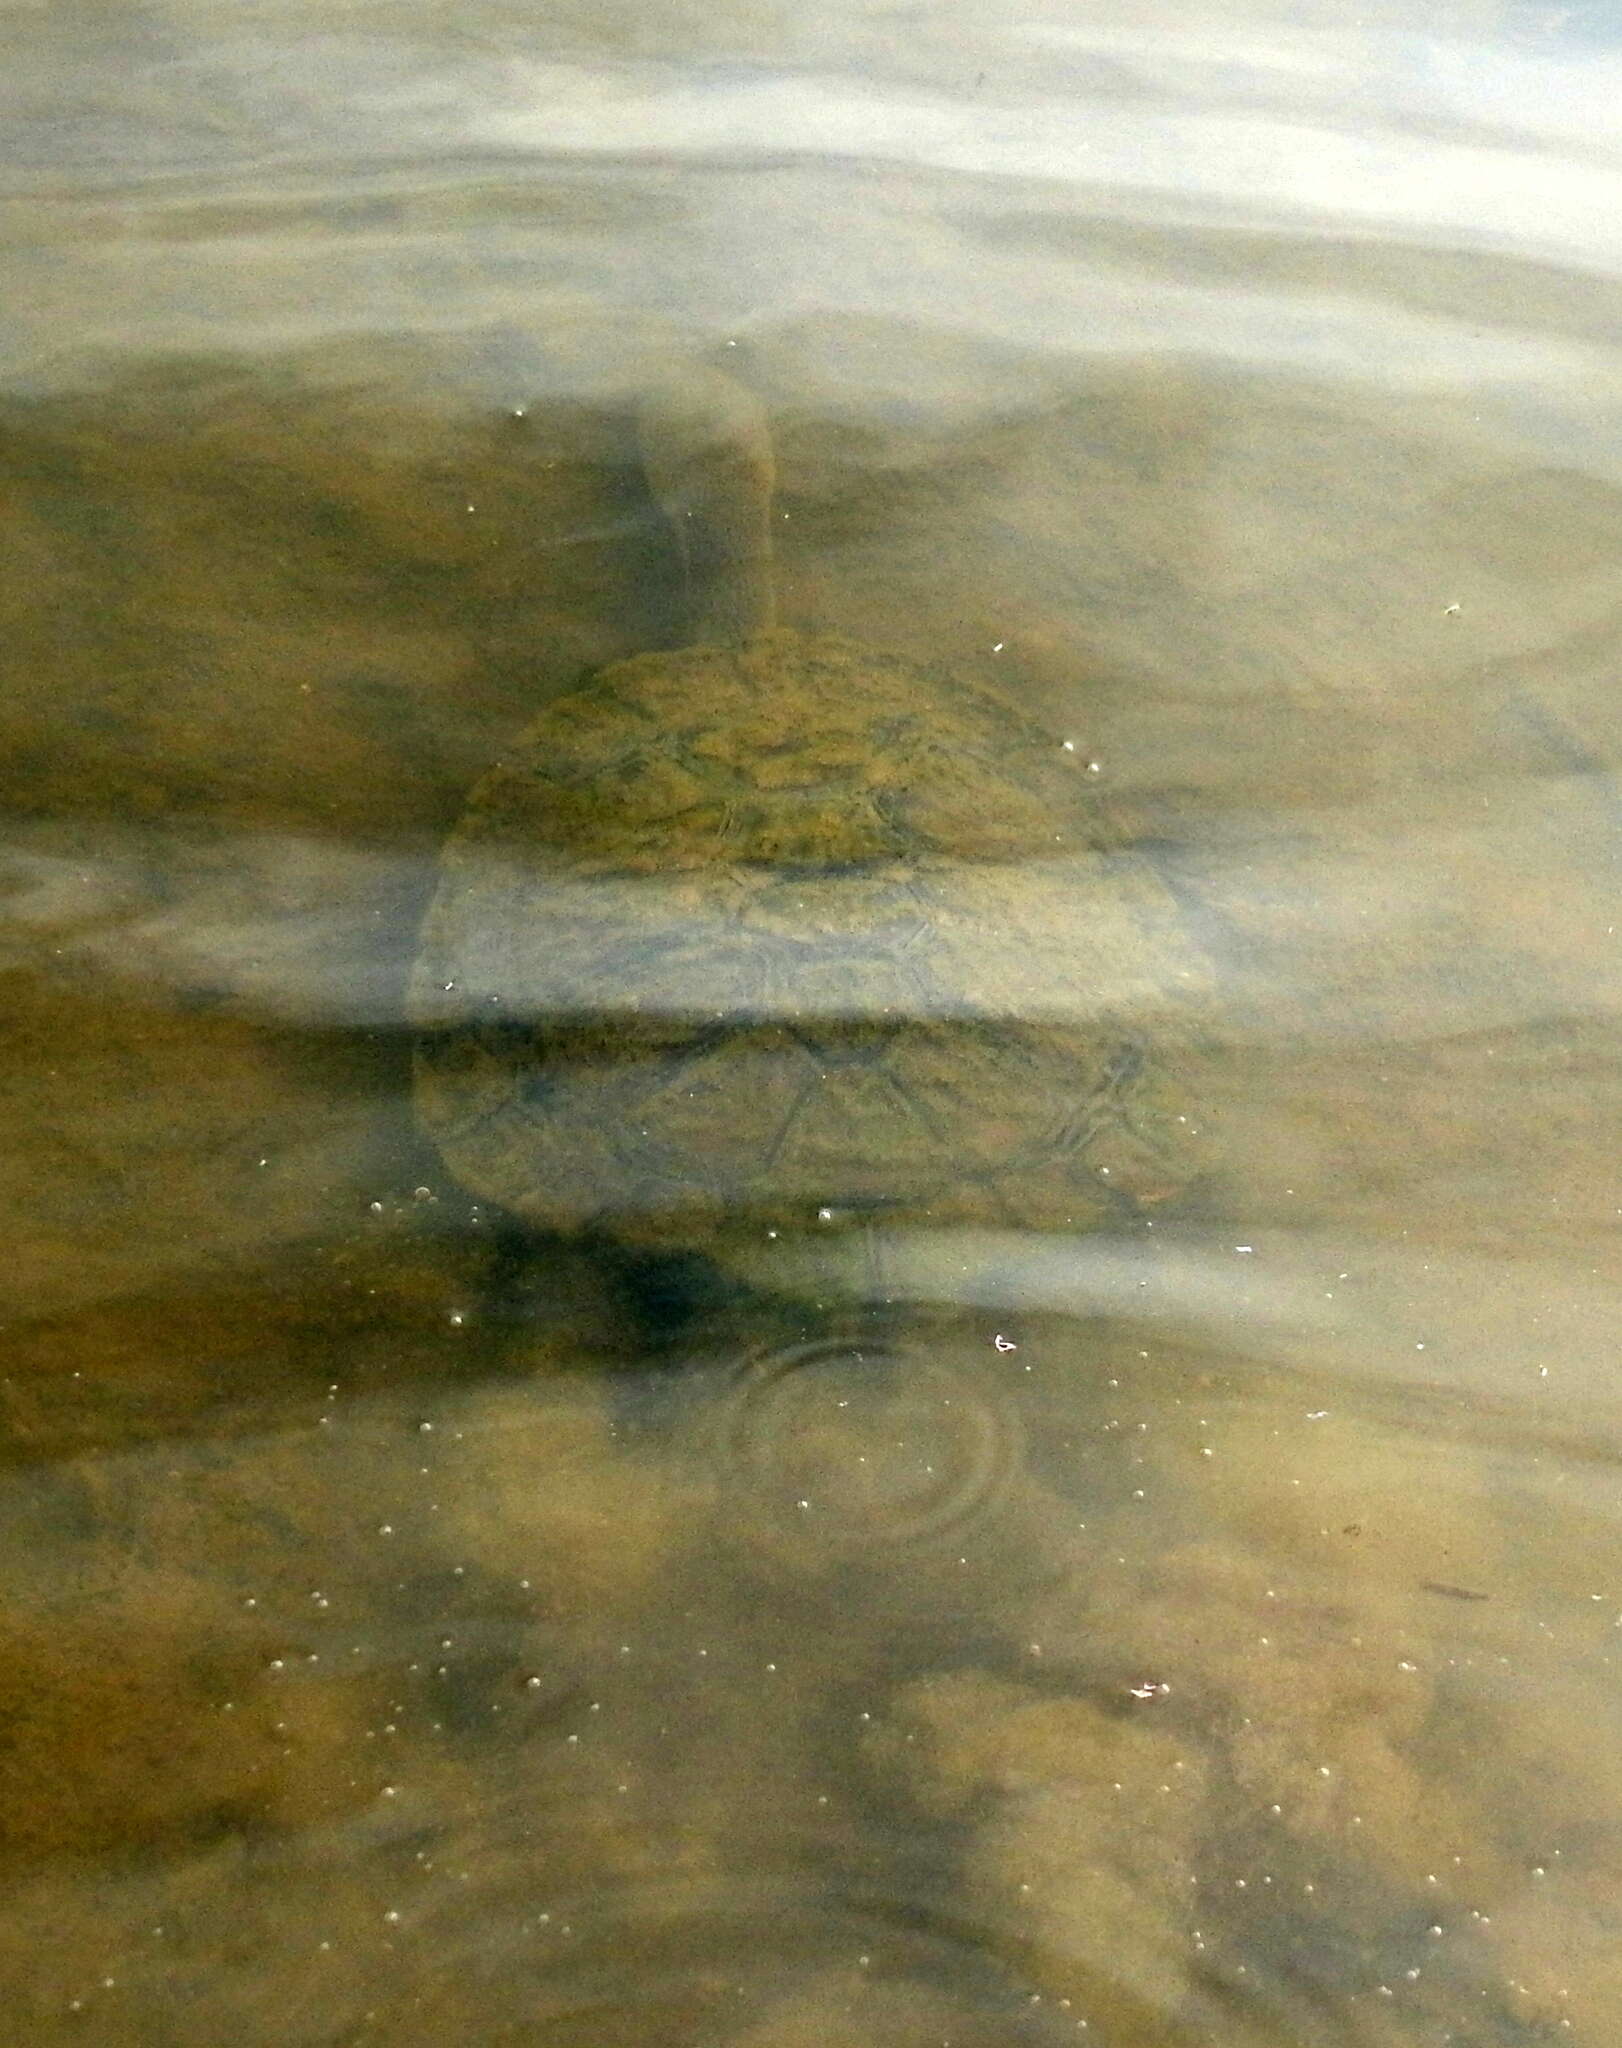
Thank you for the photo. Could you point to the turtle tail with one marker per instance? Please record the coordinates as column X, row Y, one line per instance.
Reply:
column 707, row 450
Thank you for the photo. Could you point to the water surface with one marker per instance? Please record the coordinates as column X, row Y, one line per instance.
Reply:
column 1193, row 1636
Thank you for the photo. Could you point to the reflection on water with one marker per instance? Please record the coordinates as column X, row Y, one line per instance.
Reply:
column 1163, row 1626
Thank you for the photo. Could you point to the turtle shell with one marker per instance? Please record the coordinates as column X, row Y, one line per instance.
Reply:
column 768, row 937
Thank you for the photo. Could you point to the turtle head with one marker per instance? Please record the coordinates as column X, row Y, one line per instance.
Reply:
column 707, row 450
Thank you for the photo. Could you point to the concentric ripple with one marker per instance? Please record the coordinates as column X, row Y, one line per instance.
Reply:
column 860, row 1442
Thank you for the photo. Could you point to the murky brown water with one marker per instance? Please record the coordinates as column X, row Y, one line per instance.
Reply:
column 1188, row 1633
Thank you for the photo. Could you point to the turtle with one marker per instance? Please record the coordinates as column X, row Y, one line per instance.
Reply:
column 748, row 945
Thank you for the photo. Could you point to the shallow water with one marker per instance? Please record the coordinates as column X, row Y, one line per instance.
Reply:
column 1193, row 1631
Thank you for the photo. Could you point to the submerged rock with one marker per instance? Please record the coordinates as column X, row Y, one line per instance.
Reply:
column 1084, row 1824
